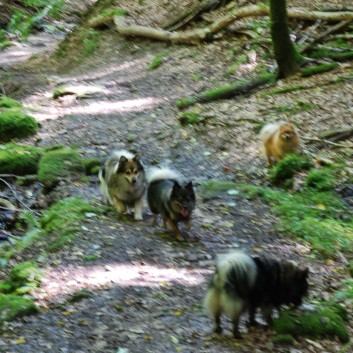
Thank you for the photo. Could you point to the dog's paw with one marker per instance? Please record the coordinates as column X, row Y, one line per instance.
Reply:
column 138, row 217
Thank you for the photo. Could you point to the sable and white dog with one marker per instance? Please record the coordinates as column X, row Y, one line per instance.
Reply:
column 123, row 182
column 243, row 282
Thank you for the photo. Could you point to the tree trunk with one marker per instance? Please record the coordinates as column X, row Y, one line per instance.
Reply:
column 285, row 54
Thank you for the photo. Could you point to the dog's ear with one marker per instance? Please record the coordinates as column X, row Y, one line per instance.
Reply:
column 122, row 160
column 137, row 158
column 189, row 186
column 176, row 187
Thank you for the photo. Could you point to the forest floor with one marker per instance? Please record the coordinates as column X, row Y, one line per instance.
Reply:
column 146, row 288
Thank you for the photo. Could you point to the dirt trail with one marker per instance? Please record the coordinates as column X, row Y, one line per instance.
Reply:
column 146, row 288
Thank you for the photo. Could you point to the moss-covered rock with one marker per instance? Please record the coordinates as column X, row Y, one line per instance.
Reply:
column 59, row 164
column 286, row 168
column 6, row 102
column 19, row 160
column 190, row 118
column 321, row 179
column 13, row 306
column 60, row 223
column 326, row 321
column 22, row 278
column 15, row 124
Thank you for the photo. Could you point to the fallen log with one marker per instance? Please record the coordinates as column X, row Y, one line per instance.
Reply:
column 228, row 91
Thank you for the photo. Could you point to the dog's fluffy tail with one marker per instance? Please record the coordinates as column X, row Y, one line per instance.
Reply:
column 155, row 174
column 234, row 277
column 268, row 130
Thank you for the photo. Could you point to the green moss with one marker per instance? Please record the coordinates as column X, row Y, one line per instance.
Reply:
column 13, row 306
column 186, row 102
column 218, row 188
column 324, row 322
column 283, row 339
column 319, row 218
column 79, row 295
column 60, row 223
column 90, row 39
column 92, row 165
column 22, row 278
column 15, row 124
column 157, row 61
column 114, row 12
column 309, row 71
column 190, row 118
column 241, row 60
column 283, row 90
column 338, row 56
column 19, row 160
column 321, row 179
column 58, row 164
column 286, row 168
column 6, row 102
column 291, row 109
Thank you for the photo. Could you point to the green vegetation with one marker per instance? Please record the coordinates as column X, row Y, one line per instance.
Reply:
column 114, row 12
column 241, row 60
column 325, row 321
column 313, row 70
column 283, row 339
column 6, row 102
column 190, row 118
column 283, row 90
column 321, row 179
column 295, row 108
column 334, row 55
column 79, row 295
column 58, row 164
column 60, row 223
column 92, row 165
column 157, row 61
column 19, row 160
column 14, row 124
column 13, row 306
column 283, row 172
column 22, row 278
column 316, row 217
column 90, row 41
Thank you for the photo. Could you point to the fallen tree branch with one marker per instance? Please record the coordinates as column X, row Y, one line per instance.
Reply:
column 338, row 135
column 237, row 88
column 195, row 36
column 321, row 36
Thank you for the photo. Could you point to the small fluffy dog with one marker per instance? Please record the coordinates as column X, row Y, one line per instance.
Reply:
column 123, row 182
column 279, row 139
column 243, row 282
column 169, row 196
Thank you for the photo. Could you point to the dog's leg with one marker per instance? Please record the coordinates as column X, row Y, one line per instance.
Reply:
column 217, row 320
column 175, row 229
column 120, row 206
column 138, row 209
column 252, row 311
column 236, row 332
column 267, row 314
column 165, row 222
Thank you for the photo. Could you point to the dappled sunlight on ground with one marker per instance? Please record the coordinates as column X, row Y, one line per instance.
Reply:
column 65, row 280
column 100, row 107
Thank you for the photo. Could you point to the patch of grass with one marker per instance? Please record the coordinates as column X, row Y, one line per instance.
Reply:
column 92, row 165
column 283, row 339
column 313, row 70
column 283, row 172
column 114, row 12
column 90, row 41
column 321, row 179
column 295, row 108
column 185, row 102
column 241, row 60
column 58, row 164
column 316, row 217
column 325, row 322
column 6, row 102
column 15, row 124
column 60, row 223
column 156, row 62
column 19, row 160
column 13, row 306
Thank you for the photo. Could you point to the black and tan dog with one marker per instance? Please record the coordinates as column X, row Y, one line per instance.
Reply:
column 169, row 196
column 243, row 282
